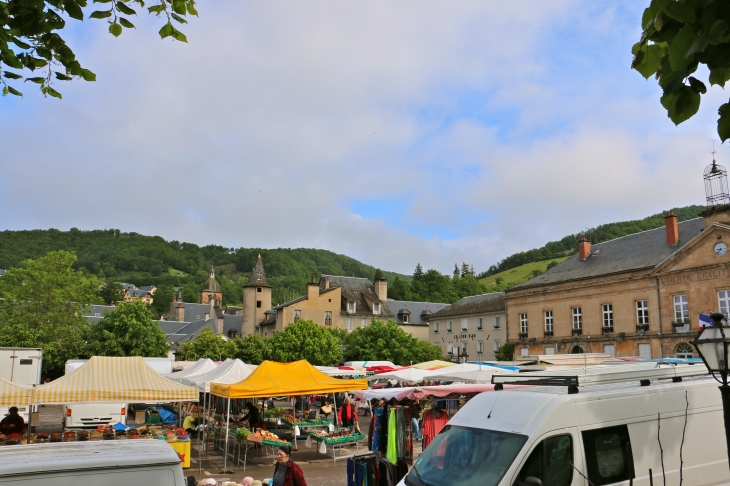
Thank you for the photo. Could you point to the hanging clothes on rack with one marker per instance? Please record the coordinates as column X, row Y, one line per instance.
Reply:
column 433, row 421
column 392, row 453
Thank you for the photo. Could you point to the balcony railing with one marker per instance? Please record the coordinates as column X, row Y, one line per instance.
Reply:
column 642, row 328
column 548, row 334
column 577, row 332
column 607, row 330
column 523, row 335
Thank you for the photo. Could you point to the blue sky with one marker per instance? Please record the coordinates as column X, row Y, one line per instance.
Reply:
column 393, row 132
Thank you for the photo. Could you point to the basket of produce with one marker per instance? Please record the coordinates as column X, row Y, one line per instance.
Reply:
column 182, row 434
column 55, row 437
column 152, row 416
column 82, row 435
column 145, row 434
column 159, row 434
column 96, row 435
column 170, row 436
column 41, row 437
column 121, row 434
column 336, row 437
column 242, row 433
column 69, row 436
column 2, row 439
column 133, row 434
column 108, row 434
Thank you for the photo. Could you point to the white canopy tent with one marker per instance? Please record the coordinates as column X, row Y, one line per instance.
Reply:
column 408, row 375
column 474, row 376
column 203, row 365
column 230, row 371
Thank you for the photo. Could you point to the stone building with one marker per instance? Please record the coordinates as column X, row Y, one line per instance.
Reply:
column 473, row 327
column 638, row 295
column 211, row 289
column 256, row 299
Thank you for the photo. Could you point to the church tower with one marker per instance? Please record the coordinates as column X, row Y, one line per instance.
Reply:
column 211, row 289
column 256, row 299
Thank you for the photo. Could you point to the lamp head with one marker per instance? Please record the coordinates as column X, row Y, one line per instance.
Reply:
column 712, row 345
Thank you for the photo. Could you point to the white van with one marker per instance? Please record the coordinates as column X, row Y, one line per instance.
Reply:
column 608, row 432
column 81, row 415
column 113, row 463
column 21, row 366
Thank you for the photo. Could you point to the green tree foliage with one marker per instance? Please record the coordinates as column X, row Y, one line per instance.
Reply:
column 678, row 36
column 432, row 286
column 30, row 37
column 305, row 340
column 505, row 352
column 207, row 344
column 112, row 292
column 388, row 342
column 128, row 331
column 161, row 300
column 251, row 349
column 115, row 256
column 569, row 244
column 42, row 304
column 378, row 274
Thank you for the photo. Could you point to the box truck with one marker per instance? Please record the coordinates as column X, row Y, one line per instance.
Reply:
column 23, row 367
column 602, row 429
column 83, row 415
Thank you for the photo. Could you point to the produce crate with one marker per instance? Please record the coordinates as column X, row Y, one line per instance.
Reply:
column 337, row 440
column 308, row 423
column 276, row 443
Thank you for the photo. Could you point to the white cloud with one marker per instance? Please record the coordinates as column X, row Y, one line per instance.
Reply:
column 264, row 128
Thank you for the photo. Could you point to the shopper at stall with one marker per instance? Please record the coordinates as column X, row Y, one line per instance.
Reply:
column 325, row 409
column 287, row 473
column 415, row 415
column 13, row 423
column 347, row 414
column 190, row 424
column 253, row 416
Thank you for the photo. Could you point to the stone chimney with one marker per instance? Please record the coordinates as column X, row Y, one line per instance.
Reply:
column 381, row 289
column 670, row 221
column 584, row 248
column 312, row 288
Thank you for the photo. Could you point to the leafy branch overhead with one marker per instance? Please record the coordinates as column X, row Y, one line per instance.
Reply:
column 31, row 48
column 677, row 37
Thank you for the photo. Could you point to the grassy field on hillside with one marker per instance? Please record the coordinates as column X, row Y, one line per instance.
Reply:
column 516, row 275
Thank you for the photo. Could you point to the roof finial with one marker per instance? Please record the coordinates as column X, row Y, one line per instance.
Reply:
column 714, row 164
column 212, row 271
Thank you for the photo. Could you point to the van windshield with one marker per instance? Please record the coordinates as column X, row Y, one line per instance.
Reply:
column 466, row 456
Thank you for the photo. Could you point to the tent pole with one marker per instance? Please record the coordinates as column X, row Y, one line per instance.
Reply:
column 334, row 401
column 201, row 435
column 30, row 414
column 225, row 453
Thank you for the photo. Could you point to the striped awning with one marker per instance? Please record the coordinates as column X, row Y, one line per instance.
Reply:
column 12, row 395
column 113, row 380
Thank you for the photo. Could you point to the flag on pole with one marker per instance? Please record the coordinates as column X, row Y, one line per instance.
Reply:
column 705, row 320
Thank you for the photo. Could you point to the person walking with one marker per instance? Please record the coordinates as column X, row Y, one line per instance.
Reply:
column 415, row 415
column 347, row 414
column 287, row 472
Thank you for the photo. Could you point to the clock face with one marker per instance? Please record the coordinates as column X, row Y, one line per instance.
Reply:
column 720, row 249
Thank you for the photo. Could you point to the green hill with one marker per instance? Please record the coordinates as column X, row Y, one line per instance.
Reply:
column 569, row 244
column 504, row 280
column 151, row 260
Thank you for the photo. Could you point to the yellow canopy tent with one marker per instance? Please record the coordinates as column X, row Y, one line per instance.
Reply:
column 435, row 364
column 113, row 379
column 273, row 379
column 13, row 395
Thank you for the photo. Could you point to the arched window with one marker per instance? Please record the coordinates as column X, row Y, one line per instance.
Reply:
column 576, row 350
column 684, row 350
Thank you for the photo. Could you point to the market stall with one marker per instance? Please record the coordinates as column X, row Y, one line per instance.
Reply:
column 14, row 395
column 272, row 379
column 407, row 375
column 482, row 376
column 435, row 364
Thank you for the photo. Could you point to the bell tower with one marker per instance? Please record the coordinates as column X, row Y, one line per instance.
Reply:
column 211, row 289
column 256, row 299
column 716, row 193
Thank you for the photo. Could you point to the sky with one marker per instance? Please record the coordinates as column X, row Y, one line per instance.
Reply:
column 395, row 132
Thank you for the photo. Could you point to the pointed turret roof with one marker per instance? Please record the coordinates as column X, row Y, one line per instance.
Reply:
column 258, row 275
column 211, row 285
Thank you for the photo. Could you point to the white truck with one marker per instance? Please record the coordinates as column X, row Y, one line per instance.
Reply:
column 82, row 415
column 606, row 432
column 115, row 463
column 21, row 366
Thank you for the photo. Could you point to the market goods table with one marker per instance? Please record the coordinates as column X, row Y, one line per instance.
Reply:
column 338, row 440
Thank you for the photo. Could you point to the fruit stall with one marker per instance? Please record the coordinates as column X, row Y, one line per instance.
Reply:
column 337, row 440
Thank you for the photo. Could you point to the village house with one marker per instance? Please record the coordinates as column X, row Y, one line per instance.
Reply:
column 470, row 329
column 638, row 295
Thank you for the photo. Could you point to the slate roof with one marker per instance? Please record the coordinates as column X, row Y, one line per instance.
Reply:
column 211, row 285
column 258, row 275
column 633, row 252
column 138, row 293
column 2, row 272
column 232, row 322
column 476, row 304
column 419, row 311
column 359, row 290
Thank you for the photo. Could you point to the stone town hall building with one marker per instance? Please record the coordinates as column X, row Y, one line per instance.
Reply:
column 638, row 295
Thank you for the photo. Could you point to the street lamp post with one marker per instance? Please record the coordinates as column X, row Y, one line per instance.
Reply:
column 712, row 345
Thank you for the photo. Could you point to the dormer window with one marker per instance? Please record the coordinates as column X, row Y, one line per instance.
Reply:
column 406, row 318
column 376, row 308
column 351, row 307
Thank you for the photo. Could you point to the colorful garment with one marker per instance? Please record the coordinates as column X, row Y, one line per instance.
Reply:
column 400, row 429
column 392, row 453
column 377, row 419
